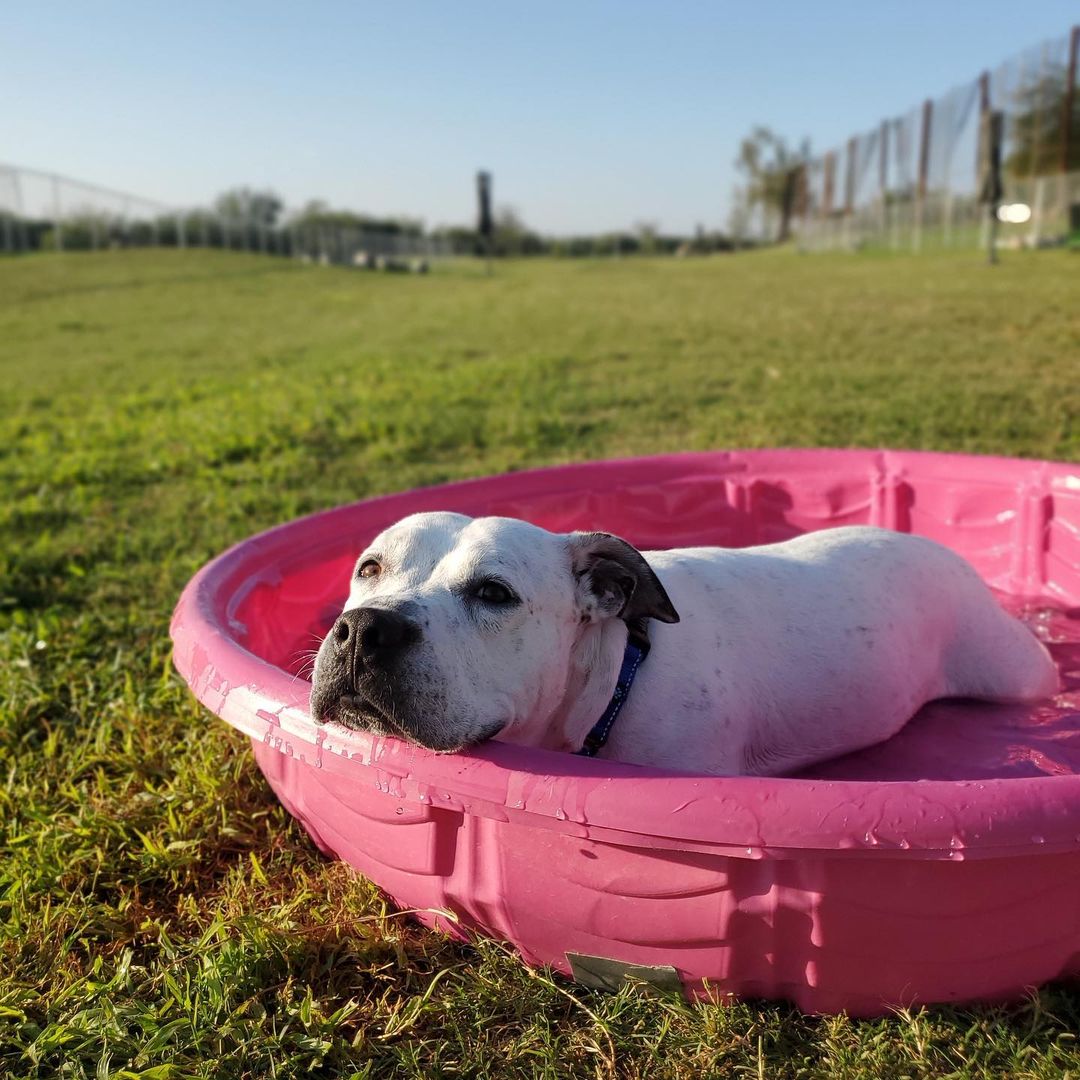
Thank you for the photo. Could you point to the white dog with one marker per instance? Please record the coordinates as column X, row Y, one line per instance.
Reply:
column 762, row 660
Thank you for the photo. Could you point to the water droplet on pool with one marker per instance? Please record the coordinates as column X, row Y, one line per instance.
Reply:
column 560, row 814
column 400, row 810
column 1038, row 840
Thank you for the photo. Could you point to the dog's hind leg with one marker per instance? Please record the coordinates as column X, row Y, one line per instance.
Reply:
column 996, row 657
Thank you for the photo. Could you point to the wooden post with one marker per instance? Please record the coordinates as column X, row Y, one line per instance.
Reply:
column 991, row 128
column 984, row 110
column 924, row 169
column 849, row 184
column 1037, row 118
column 828, row 185
column 485, row 225
column 1068, row 104
column 883, row 176
column 849, row 191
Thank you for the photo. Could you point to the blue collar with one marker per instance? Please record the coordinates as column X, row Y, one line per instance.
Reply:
column 637, row 648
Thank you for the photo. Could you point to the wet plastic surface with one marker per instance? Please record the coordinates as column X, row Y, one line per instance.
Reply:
column 942, row 865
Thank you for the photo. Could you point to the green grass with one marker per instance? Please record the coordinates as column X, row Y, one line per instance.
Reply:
column 161, row 915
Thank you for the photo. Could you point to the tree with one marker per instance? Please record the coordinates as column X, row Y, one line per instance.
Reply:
column 1038, row 124
column 648, row 233
column 773, row 172
column 318, row 214
column 246, row 206
column 512, row 235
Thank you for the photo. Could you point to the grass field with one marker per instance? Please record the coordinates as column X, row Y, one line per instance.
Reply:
column 161, row 915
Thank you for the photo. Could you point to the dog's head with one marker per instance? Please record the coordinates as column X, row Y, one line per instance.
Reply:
column 458, row 629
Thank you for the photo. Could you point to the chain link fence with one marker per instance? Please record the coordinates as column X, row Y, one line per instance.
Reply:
column 913, row 183
column 42, row 211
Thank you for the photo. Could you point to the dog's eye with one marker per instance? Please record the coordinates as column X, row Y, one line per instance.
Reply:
column 369, row 568
column 493, row 592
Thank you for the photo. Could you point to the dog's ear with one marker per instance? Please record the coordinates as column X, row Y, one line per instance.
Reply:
column 614, row 579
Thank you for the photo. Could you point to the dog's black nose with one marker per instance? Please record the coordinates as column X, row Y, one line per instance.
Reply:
column 374, row 634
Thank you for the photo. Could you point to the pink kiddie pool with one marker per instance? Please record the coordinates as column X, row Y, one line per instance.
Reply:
column 943, row 865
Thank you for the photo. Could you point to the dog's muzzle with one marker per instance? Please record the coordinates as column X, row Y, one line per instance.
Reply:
column 361, row 652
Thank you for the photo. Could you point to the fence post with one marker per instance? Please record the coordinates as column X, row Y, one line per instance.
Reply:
column 984, row 109
column 849, row 191
column 1036, row 150
column 1068, row 103
column 924, row 168
column 1068, row 122
column 883, row 178
column 1035, row 236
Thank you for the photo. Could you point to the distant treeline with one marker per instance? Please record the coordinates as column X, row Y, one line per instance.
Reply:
column 251, row 220
column 527, row 242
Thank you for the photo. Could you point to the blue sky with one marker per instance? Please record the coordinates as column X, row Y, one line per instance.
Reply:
column 591, row 115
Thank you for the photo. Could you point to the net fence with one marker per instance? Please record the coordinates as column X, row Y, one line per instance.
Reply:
column 913, row 182
column 43, row 211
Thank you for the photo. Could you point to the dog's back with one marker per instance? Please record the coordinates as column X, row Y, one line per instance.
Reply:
column 829, row 643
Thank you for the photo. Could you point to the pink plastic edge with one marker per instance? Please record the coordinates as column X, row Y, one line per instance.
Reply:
column 739, row 816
